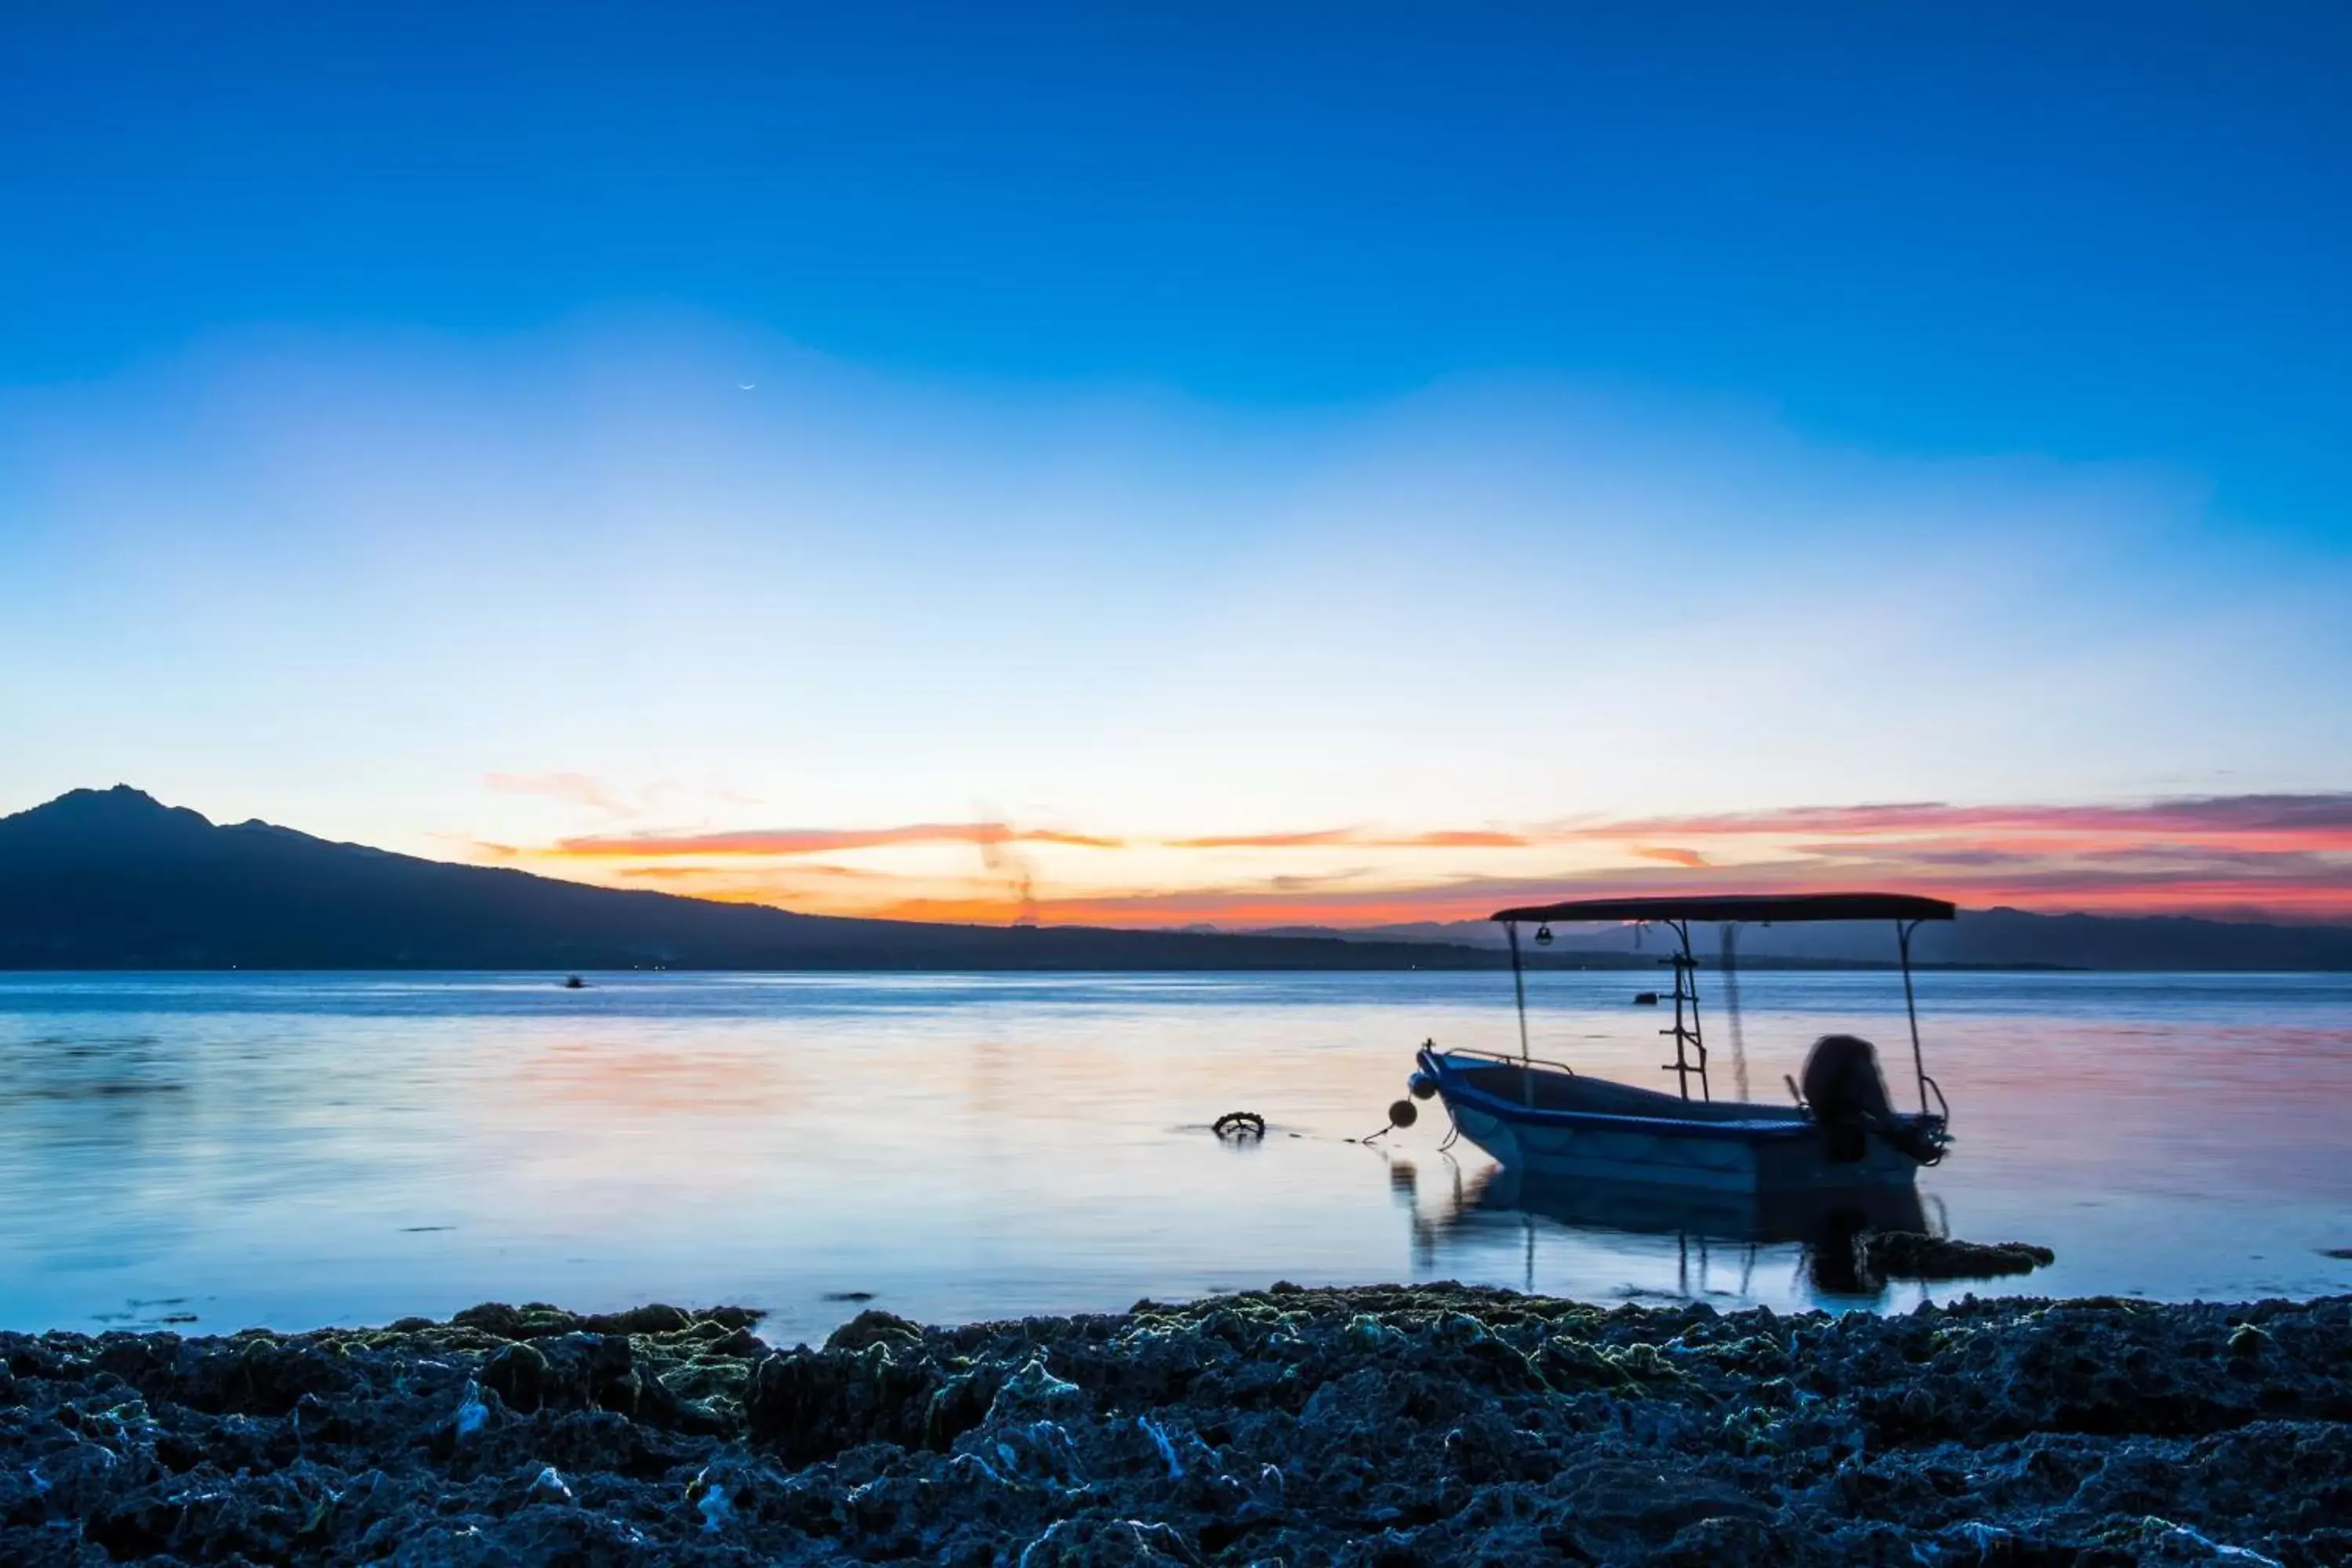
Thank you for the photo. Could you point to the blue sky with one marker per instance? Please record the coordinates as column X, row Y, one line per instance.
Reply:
column 1963, row 386
column 2097, row 232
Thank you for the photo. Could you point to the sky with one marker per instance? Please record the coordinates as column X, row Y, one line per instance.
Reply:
column 1171, row 464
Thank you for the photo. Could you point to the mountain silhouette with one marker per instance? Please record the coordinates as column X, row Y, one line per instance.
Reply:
column 116, row 879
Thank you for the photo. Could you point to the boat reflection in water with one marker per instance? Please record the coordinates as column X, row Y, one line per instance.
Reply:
column 1720, row 1238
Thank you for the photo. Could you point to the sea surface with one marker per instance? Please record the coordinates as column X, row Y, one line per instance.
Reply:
column 211, row 1152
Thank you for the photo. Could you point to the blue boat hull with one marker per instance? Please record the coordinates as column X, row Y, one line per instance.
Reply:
column 1559, row 1126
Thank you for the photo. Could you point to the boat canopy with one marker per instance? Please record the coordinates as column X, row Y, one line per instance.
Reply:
column 1759, row 907
column 1904, row 910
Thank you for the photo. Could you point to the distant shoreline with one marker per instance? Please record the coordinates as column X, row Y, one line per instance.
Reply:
column 1603, row 964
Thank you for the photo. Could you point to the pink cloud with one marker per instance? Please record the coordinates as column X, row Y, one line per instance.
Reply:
column 2283, row 855
column 2311, row 820
column 788, row 841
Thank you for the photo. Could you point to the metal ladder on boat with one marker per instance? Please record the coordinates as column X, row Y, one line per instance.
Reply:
column 1690, row 1043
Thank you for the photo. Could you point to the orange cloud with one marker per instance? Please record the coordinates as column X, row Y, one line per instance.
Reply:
column 1447, row 838
column 761, row 841
column 1267, row 840
column 1460, row 838
column 736, row 875
column 2288, row 856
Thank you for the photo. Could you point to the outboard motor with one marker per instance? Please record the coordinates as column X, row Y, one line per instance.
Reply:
column 1843, row 1086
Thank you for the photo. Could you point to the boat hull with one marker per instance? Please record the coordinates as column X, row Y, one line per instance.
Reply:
column 1556, row 1127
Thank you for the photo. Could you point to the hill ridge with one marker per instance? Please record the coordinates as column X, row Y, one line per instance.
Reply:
column 115, row 879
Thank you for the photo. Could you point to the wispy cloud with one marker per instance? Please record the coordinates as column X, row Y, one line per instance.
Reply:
column 2288, row 855
column 2286, row 889
column 790, row 841
column 577, row 788
column 2253, row 820
column 1308, row 839
column 1364, row 837
column 736, row 878
column 2282, row 818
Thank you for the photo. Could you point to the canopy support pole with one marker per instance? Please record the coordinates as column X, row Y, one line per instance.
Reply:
column 1903, row 930
column 1520, row 988
column 1731, row 1005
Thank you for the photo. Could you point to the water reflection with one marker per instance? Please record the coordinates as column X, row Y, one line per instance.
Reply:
column 1820, row 1229
column 1651, row 1209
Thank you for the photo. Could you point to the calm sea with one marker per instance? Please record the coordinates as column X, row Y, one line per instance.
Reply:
column 219, row 1151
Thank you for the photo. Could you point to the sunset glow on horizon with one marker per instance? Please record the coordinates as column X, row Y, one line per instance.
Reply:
column 2274, row 857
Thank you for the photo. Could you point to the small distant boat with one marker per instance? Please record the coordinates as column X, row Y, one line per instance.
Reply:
column 573, row 983
column 1546, row 1120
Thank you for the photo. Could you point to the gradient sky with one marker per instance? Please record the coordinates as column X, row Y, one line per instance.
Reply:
column 1233, row 464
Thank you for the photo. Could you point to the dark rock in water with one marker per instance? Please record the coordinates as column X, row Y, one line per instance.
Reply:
column 1430, row 1424
column 873, row 1327
column 1911, row 1255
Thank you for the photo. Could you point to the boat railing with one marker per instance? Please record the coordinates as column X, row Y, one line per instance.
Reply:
column 1506, row 1058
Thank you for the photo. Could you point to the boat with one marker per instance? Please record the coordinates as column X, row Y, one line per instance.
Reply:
column 1546, row 1120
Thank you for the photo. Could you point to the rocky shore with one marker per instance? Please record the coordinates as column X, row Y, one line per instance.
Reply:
column 1382, row 1426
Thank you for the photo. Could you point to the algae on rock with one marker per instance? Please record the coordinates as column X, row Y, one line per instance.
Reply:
column 1388, row 1424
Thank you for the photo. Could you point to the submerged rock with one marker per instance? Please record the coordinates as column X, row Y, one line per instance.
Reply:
column 1913, row 1255
column 1426, row 1424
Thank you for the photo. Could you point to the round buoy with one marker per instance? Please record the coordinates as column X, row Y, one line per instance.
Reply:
column 1422, row 1085
column 1403, row 1113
